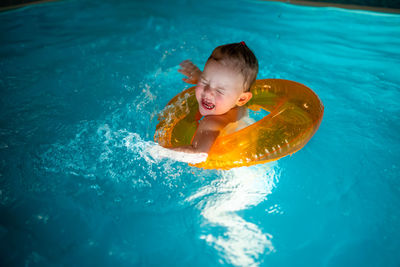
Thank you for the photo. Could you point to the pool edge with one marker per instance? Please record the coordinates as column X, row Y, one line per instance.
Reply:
column 338, row 5
column 7, row 8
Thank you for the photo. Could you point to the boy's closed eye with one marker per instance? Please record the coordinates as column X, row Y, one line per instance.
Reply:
column 203, row 81
column 220, row 91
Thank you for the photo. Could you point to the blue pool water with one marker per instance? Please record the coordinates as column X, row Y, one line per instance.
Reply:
column 82, row 83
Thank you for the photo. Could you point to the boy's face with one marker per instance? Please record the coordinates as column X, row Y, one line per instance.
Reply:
column 220, row 89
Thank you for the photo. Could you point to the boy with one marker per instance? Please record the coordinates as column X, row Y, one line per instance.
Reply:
column 222, row 90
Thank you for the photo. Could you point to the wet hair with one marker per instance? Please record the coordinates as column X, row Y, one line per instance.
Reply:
column 240, row 57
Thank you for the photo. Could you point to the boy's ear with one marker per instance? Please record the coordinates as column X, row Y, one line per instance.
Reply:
column 244, row 98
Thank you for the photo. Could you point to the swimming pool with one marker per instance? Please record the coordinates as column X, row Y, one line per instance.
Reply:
column 82, row 83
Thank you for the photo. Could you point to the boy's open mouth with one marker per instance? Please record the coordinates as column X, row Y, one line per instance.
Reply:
column 207, row 105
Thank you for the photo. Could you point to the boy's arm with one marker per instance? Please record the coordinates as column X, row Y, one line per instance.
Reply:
column 191, row 71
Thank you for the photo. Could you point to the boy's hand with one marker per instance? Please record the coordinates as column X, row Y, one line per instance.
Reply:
column 191, row 71
column 158, row 152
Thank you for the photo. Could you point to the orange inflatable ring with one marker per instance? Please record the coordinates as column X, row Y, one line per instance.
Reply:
column 295, row 115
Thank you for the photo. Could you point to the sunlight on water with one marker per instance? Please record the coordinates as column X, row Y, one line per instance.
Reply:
column 242, row 242
column 236, row 190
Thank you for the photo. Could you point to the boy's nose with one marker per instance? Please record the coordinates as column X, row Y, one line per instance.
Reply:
column 207, row 90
